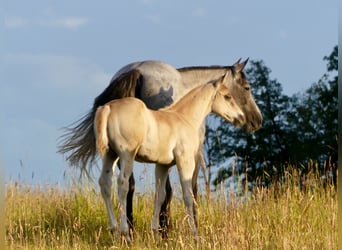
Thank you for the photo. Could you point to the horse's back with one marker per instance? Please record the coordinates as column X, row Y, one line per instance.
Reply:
column 150, row 69
column 160, row 82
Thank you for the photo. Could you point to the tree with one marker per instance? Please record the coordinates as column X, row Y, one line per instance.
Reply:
column 253, row 153
column 316, row 118
column 295, row 129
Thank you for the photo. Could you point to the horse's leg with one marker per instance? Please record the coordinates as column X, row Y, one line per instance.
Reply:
column 105, row 182
column 126, row 164
column 161, row 177
column 129, row 209
column 186, row 169
column 194, row 183
column 164, row 215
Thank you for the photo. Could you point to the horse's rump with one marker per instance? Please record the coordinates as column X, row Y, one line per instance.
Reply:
column 79, row 137
column 127, row 84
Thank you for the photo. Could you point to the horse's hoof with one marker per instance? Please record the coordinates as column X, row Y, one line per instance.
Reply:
column 126, row 239
column 113, row 230
column 131, row 233
column 164, row 234
column 156, row 235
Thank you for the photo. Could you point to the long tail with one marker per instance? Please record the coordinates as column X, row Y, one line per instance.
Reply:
column 100, row 123
column 78, row 141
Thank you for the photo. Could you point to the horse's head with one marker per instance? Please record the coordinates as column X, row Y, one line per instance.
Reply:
column 224, row 104
column 240, row 88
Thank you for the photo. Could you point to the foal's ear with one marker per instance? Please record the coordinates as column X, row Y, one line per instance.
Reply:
column 240, row 66
column 219, row 82
column 223, row 78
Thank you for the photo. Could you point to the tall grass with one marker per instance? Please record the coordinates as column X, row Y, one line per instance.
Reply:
column 280, row 217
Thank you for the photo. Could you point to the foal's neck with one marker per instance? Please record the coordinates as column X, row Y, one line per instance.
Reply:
column 196, row 105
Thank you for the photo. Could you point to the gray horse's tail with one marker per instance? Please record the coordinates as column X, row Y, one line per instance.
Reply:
column 78, row 142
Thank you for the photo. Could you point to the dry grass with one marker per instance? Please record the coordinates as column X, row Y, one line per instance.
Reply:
column 281, row 217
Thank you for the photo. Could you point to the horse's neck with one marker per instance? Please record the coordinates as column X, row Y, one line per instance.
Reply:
column 195, row 76
column 196, row 105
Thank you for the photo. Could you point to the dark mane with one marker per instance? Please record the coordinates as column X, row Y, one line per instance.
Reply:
column 184, row 69
column 213, row 67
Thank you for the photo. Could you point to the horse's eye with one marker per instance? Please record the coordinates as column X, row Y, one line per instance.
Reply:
column 247, row 88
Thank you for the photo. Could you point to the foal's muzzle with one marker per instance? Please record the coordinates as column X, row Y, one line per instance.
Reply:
column 239, row 121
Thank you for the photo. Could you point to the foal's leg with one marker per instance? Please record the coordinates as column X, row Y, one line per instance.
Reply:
column 161, row 177
column 186, row 168
column 129, row 209
column 105, row 182
column 126, row 164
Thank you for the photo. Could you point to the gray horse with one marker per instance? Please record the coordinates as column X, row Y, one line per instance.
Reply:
column 158, row 84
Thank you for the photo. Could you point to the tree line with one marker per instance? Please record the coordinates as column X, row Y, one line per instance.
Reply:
column 298, row 130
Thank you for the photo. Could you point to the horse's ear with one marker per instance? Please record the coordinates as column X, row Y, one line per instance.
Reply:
column 240, row 66
column 245, row 62
column 237, row 62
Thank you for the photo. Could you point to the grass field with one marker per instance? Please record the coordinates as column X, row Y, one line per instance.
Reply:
column 280, row 217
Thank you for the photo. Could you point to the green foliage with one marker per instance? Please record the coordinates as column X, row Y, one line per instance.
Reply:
column 295, row 129
column 315, row 116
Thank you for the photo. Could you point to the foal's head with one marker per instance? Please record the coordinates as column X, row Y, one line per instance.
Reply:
column 224, row 104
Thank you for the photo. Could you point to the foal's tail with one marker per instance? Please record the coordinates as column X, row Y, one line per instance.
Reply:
column 100, row 123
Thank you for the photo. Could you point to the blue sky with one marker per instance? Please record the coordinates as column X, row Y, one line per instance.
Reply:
column 57, row 56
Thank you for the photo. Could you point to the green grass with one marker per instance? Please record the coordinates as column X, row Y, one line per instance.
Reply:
column 280, row 217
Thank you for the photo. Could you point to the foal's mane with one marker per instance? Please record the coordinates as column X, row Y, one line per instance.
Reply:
column 191, row 94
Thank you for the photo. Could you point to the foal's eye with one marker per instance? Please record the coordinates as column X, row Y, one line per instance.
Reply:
column 227, row 97
column 247, row 88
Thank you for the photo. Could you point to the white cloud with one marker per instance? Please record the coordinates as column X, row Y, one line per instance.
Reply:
column 15, row 22
column 147, row 2
column 199, row 12
column 282, row 34
column 59, row 73
column 153, row 18
column 71, row 22
column 45, row 92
